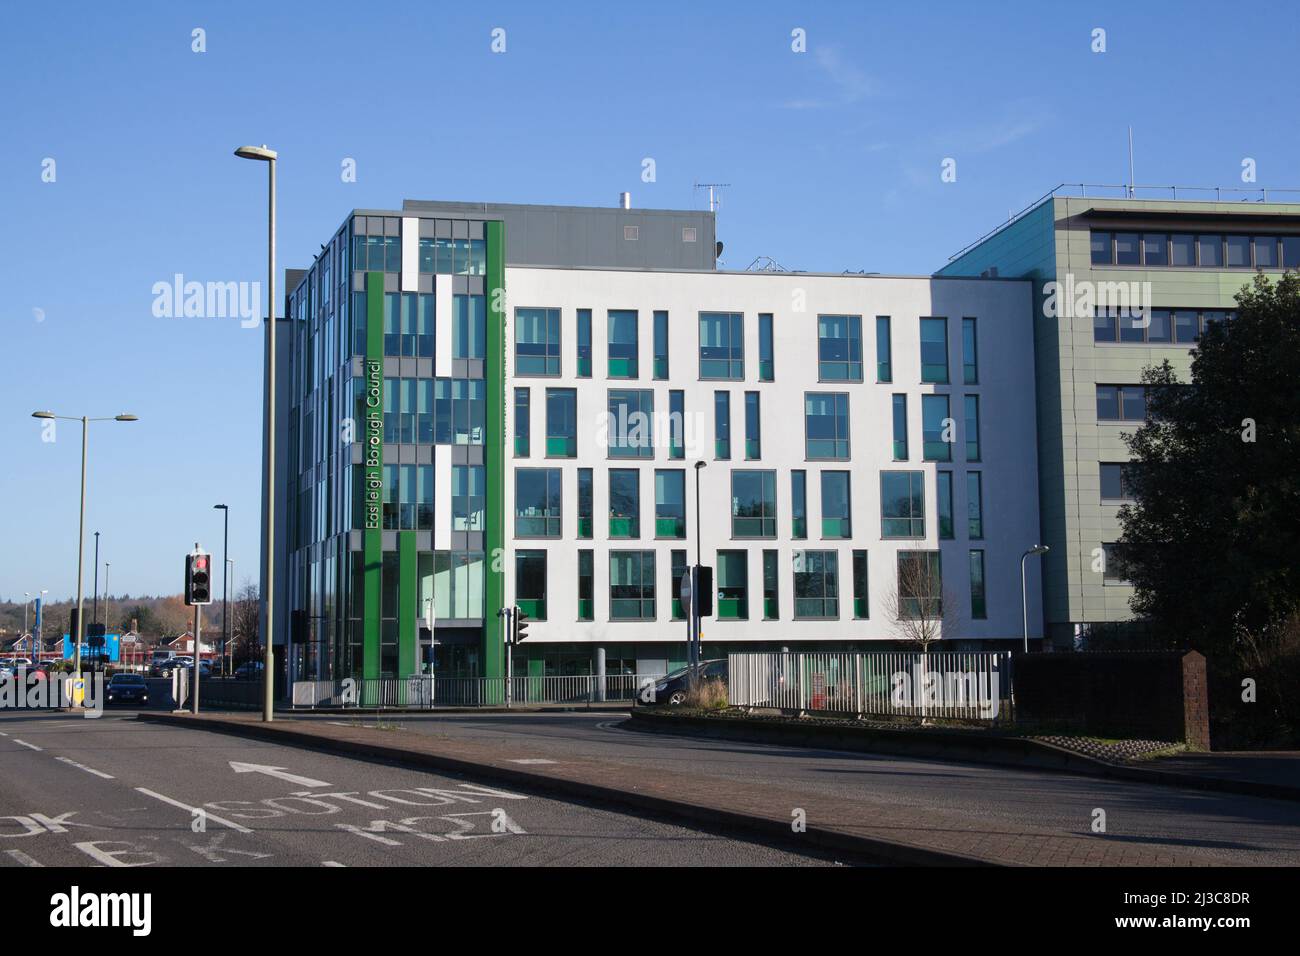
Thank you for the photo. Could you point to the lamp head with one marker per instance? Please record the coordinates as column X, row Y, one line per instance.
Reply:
column 257, row 152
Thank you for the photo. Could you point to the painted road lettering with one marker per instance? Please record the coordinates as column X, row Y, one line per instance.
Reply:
column 434, row 829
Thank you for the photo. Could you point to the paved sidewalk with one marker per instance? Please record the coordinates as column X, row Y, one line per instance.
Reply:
column 1272, row 767
column 862, row 828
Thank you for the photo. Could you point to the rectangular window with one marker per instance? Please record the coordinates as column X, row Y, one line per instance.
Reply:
column 753, row 504
column 469, row 326
column 631, row 585
column 861, row 593
column 974, row 505
column 537, row 503
column 753, row 427
column 766, row 362
column 884, row 350
column 972, row 427
column 1104, row 325
column 722, row 345
column 816, row 584
column 676, row 424
column 624, row 503
column 934, row 351
column 1182, row 250
column 537, row 341
column 670, row 503
column 1114, row 482
column 1186, row 326
column 584, row 343
column 1210, row 251
column 799, row 503
column 771, row 603
column 733, row 585
column 630, row 431
column 523, row 424
column 623, row 343
column 468, row 495
column 900, row 427
column 943, row 484
column 1291, row 252
column 586, row 585
column 978, row 605
column 1113, row 571
column 837, row 513
column 661, row 345
column 561, row 422
column 1127, row 250
column 969, row 351
column 826, row 425
column 1101, row 253
column 676, row 573
column 722, row 425
column 839, row 348
column 460, row 410
column 1238, row 252
column 530, row 583
column 936, row 427
column 1266, row 252
column 1121, row 403
column 902, row 504
column 920, row 585
column 585, row 505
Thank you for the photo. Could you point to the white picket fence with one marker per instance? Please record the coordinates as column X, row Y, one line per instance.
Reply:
column 427, row 693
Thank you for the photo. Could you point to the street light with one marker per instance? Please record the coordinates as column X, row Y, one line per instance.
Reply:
column 81, row 530
column 1024, row 593
column 225, row 577
column 268, row 156
column 230, row 647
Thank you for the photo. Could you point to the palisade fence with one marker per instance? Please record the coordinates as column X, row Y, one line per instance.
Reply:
column 942, row 684
column 428, row 693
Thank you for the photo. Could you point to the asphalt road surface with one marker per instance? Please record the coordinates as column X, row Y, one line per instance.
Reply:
column 114, row 791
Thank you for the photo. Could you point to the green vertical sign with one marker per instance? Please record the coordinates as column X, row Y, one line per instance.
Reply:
column 373, row 473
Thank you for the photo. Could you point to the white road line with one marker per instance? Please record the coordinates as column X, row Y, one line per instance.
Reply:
column 328, row 863
column 22, row 858
column 184, row 806
column 3, row 734
column 26, row 744
column 81, row 766
column 532, row 760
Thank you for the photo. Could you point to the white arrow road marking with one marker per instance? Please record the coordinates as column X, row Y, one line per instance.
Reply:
column 193, row 810
column 532, row 760
column 27, row 745
column 81, row 766
column 278, row 772
column 324, row 863
column 22, row 858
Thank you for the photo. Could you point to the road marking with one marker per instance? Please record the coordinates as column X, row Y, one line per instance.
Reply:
column 280, row 773
column 193, row 810
column 532, row 760
column 22, row 858
column 26, row 744
column 3, row 734
column 323, row 863
column 81, row 766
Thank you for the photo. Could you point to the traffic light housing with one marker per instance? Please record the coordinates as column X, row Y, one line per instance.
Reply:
column 702, row 592
column 521, row 625
column 198, row 578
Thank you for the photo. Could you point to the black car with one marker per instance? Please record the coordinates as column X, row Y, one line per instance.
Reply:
column 672, row 688
column 126, row 689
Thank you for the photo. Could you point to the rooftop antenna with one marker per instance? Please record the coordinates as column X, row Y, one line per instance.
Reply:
column 714, row 201
column 1130, row 162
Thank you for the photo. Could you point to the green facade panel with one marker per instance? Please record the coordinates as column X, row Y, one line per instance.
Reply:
column 373, row 472
column 494, row 451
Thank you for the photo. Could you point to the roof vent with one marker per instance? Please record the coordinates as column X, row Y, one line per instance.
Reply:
column 625, row 200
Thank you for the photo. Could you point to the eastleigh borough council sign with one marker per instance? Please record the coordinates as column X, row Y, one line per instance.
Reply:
column 374, row 447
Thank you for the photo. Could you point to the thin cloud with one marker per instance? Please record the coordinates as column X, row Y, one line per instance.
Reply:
column 850, row 83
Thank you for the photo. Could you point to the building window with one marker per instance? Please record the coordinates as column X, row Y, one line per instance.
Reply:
column 468, row 491
column 799, row 504
column 631, row 423
column 1155, row 326
column 900, row 428
column 585, row 506
column 733, row 586
column 722, row 345
column 974, row 505
column 688, row 233
column 837, row 520
column 766, row 362
column 676, row 424
column 584, row 343
column 670, row 503
column 861, row 593
column 1127, row 250
column 826, row 425
column 1115, row 484
column 771, row 603
column 530, row 583
column 934, row 351
column 920, row 585
column 884, row 350
column 1209, row 251
column 753, row 427
column 1121, row 403
column 377, row 253
column 631, row 585
column 1182, row 250
column 969, row 351
column 839, row 348
column 661, row 345
column 624, row 503
column 816, row 584
column 460, row 410
column 561, row 422
column 1101, row 251
column 408, row 324
column 943, row 480
column 468, row 327
column 936, row 430
column 537, row 341
column 1113, row 571
column 753, row 504
column 972, row 427
column 586, row 585
column 902, row 504
column 722, row 425
column 676, row 572
column 537, row 503
column 523, row 425
column 978, row 605
column 622, row 343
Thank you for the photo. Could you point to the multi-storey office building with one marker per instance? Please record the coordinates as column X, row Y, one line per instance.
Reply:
column 1119, row 284
column 495, row 405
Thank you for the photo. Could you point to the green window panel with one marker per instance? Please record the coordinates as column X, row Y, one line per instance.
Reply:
column 584, row 343
column 766, row 365
column 586, row 609
column 557, row 447
column 884, row 350
column 836, row 528
column 722, row 345
column 585, row 528
column 535, row 608
column 670, row 528
column 624, row 528
column 839, row 348
column 733, row 585
column 935, row 422
column 771, row 609
column 623, row 343
column 934, row 351
column 900, row 428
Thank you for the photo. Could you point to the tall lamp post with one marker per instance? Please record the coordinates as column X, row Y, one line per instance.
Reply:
column 94, row 603
column 225, row 577
column 81, row 530
column 1024, row 591
column 268, row 156
column 230, row 647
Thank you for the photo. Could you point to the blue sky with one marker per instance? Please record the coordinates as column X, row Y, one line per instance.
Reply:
column 833, row 155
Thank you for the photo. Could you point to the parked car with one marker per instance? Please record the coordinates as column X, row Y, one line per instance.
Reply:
column 249, row 670
column 127, row 689
column 672, row 689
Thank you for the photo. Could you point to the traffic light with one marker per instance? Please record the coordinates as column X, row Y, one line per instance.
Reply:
column 198, row 578
column 702, row 593
column 521, row 625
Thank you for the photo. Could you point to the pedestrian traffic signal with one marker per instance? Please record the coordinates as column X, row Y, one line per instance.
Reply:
column 198, row 578
column 521, row 625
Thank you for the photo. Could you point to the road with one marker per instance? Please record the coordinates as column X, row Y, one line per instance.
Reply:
column 1219, row 828
column 114, row 791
